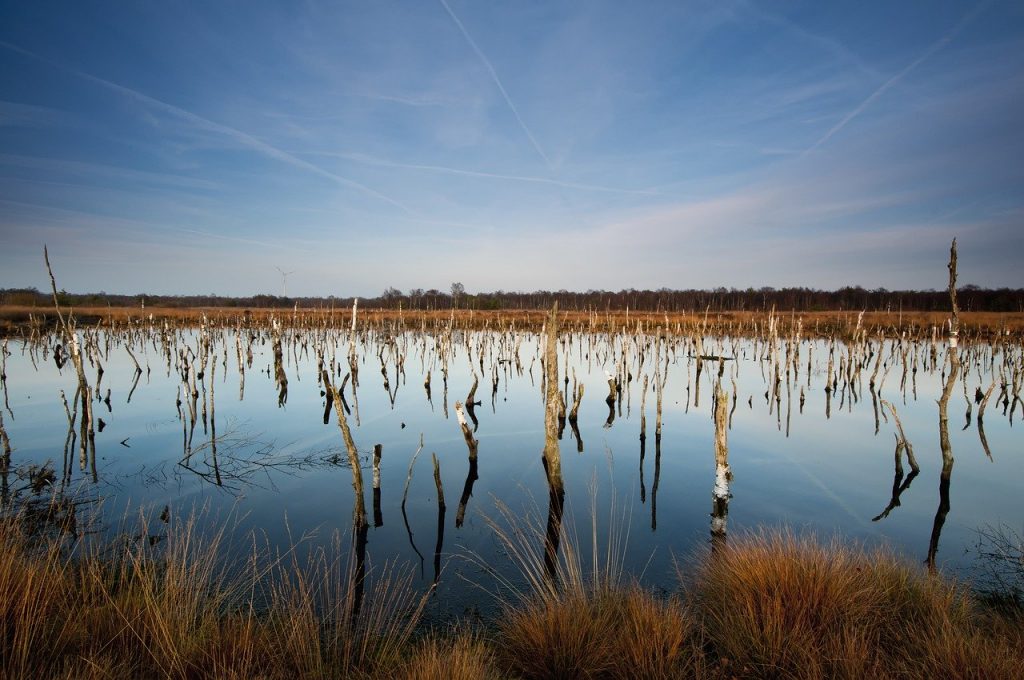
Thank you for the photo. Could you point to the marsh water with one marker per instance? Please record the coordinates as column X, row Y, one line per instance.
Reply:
column 206, row 425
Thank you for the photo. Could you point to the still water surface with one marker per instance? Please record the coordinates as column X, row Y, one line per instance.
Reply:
column 822, row 466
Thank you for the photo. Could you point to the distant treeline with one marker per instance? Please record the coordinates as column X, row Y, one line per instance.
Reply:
column 971, row 298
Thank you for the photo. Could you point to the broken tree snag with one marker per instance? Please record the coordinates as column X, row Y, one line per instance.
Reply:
column 552, row 456
column 471, row 405
column 947, row 392
column 552, row 402
column 723, row 474
column 352, row 331
column 643, row 410
column 902, row 437
column 721, row 428
column 357, row 584
column 359, row 507
column 947, row 459
column 328, row 402
column 467, row 434
column 280, row 378
column 467, row 491
column 87, row 438
column 340, row 392
column 899, row 485
column 378, row 517
column 577, row 398
column 954, row 319
column 576, row 433
column 553, row 528
column 610, row 399
column 613, row 388
column 441, row 509
column 471, row 475
column 981, row 418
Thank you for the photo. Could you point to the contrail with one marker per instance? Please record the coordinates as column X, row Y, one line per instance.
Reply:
column 204, row 123
column 497, row 81
column 928, row 53
column 831, row 45
column 360, row 158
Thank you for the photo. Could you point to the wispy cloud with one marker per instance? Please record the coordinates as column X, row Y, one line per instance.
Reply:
column 60, row 166
column 826, row 43
column 415, row 100
column 241, row 138
column 370, row 160
column 497, row 81
column 27, row 115
column 244, row 139
column 888, row 84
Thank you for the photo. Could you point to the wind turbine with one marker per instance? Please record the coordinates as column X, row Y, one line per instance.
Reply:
column 284, row 281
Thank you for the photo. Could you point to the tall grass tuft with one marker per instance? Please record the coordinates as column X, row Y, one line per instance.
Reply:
column 311, row 622
column 622, row 632
column 774, row 604
column 459, row 655
column 588, row 620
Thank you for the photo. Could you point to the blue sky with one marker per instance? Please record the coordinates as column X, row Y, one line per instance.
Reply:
column 193, row 147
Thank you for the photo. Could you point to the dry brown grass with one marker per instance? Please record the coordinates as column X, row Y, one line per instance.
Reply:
column 815, row 323
column 771, row 605
column 620, row 633
column 174, row 611
column 588, row 620
column 456, row 656
column 122, row 615
column 777, row 605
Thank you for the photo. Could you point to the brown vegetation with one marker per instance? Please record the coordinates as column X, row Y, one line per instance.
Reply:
column 16, row 320
column 133, row 609
column 776, row 605
column 608, row 633
column 770, row 605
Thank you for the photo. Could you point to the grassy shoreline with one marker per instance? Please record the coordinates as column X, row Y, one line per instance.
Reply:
column 764, row 605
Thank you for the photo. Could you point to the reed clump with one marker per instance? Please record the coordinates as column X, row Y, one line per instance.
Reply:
column 779, row 605
column 579, row 615
column 622, row 632
column 453, row 656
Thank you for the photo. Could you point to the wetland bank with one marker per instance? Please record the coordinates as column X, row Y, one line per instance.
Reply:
column 511, row 473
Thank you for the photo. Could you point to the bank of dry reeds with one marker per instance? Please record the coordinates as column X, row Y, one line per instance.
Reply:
column 172, row 606
column 771, row 605
column 18, row 320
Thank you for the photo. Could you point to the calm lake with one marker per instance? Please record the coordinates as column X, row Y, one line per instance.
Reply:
column 801, row 456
